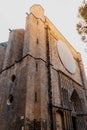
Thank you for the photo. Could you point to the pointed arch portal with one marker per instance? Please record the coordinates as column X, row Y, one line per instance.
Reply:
column 76, row 102
column 76, row 108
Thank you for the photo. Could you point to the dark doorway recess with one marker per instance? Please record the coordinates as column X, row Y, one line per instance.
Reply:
column 74, row 123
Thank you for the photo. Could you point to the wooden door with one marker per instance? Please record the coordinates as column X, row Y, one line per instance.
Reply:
column 59, row 125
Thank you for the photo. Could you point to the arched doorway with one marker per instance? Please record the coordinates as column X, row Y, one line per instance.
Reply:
column 59, row 120
column 76, row 102
column 76, row 108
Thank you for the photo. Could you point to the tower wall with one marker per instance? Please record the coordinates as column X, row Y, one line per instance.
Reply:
column 12, row 115
column 2, row 55
column 14, row 49
column 37, row 85
column 35, row 36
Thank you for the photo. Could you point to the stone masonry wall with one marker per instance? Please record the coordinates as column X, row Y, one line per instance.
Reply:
column 3, row 47
column 14, row 49
column 10, row 115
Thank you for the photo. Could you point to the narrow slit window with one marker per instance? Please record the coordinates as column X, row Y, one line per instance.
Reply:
column 35, row 97
column 37, row 41
column 36, row 66
column 37, row 22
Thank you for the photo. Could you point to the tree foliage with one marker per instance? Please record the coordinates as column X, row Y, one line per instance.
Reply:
column 83, row 12
column 82, row 25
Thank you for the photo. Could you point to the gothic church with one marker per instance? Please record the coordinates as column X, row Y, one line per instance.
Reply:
column 42, row 79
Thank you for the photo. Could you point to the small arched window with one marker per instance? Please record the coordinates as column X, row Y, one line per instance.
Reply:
column 13, row 77
column 10, row 99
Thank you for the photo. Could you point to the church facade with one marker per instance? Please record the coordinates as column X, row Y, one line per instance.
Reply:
column 42, row 79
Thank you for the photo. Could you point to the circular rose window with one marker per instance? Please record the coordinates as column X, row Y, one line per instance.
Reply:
column 66, row 57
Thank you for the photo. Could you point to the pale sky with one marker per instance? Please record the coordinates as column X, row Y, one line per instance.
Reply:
column 62, row 13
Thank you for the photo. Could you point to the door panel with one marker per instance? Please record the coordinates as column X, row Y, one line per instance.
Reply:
column 59, row 121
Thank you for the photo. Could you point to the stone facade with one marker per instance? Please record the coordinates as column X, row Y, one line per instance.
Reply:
column 36, row 90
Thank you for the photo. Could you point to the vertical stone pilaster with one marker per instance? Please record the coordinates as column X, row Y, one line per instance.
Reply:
column 83, row 77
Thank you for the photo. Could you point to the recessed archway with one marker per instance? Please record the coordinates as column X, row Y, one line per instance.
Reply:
column 76, row 101
column 76, row 108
